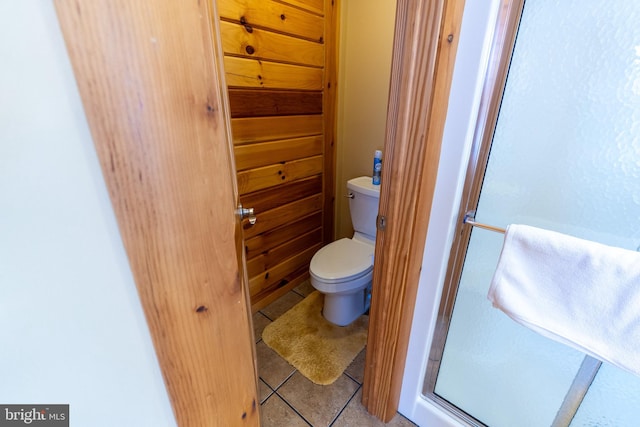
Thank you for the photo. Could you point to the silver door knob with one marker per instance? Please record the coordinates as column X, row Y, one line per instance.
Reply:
column 246, row 213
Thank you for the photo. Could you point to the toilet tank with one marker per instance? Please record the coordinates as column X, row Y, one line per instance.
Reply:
column 363, row 206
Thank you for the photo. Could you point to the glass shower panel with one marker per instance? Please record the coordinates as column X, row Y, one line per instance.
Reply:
column 492, row 368
column 566, row 157
column 613, row 400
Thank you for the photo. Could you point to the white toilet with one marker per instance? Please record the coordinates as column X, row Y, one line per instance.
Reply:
column 343, row 270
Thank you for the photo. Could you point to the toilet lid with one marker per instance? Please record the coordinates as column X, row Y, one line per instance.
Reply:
column 342, row 259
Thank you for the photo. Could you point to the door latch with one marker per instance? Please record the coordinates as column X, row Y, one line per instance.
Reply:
column 381, row 222
column 246, row 213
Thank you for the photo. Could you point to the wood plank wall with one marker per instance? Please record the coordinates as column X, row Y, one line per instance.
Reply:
column 279, row 62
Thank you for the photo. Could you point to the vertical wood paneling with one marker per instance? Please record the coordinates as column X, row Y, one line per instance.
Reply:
column 280, row 66
column 417, row 108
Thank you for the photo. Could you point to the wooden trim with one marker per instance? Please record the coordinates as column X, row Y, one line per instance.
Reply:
column 149, row 76
column 425, row 44
column 331, row 37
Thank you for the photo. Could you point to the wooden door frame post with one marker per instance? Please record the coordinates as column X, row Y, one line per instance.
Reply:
column 425, row 44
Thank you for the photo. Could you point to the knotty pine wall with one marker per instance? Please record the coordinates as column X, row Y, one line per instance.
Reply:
column 279, row 59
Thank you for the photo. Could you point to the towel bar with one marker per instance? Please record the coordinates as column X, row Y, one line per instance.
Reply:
column 469, row 218
column 585, row 374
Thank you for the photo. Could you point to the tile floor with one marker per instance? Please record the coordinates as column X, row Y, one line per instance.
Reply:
column 289, row 399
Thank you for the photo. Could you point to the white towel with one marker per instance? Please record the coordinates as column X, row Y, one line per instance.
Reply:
column 580, row 293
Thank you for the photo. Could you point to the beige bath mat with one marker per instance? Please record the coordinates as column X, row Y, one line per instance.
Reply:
column 318, row 349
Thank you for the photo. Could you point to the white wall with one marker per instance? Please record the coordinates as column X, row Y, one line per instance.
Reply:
column 72, row 330
column 364, row 70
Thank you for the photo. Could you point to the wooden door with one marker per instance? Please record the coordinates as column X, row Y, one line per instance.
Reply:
column 149, row 76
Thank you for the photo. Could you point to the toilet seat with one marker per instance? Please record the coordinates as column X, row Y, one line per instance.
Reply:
column 343, row 270
column 341, row 261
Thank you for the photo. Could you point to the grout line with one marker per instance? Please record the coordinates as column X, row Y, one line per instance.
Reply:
column 300, row 293
column 351, row 378
column 270, row 319
column 345, row 405
column 272, row 391
column 294, row 409
column 289, row 404
column 350, row 364
column 283, row 381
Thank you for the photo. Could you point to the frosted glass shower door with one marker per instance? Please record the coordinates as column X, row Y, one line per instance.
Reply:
column 565, row 156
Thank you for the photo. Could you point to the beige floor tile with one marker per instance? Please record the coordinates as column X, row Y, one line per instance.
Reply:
column 281, row 305
column 356, row 369
column 259, row 323
column 272, row 368
column 318, row 404
column 276, row 413
column 264, row 390
column 356, row 415
column 304, row 288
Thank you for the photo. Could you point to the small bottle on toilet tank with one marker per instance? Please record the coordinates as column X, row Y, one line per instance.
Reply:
column 377, row 167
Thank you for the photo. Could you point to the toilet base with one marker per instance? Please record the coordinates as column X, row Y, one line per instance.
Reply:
column 343, row 309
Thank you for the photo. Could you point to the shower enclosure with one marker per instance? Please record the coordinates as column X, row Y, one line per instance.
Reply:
column 556, row 145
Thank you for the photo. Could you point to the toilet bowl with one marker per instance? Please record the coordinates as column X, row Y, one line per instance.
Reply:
column 343, row 270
